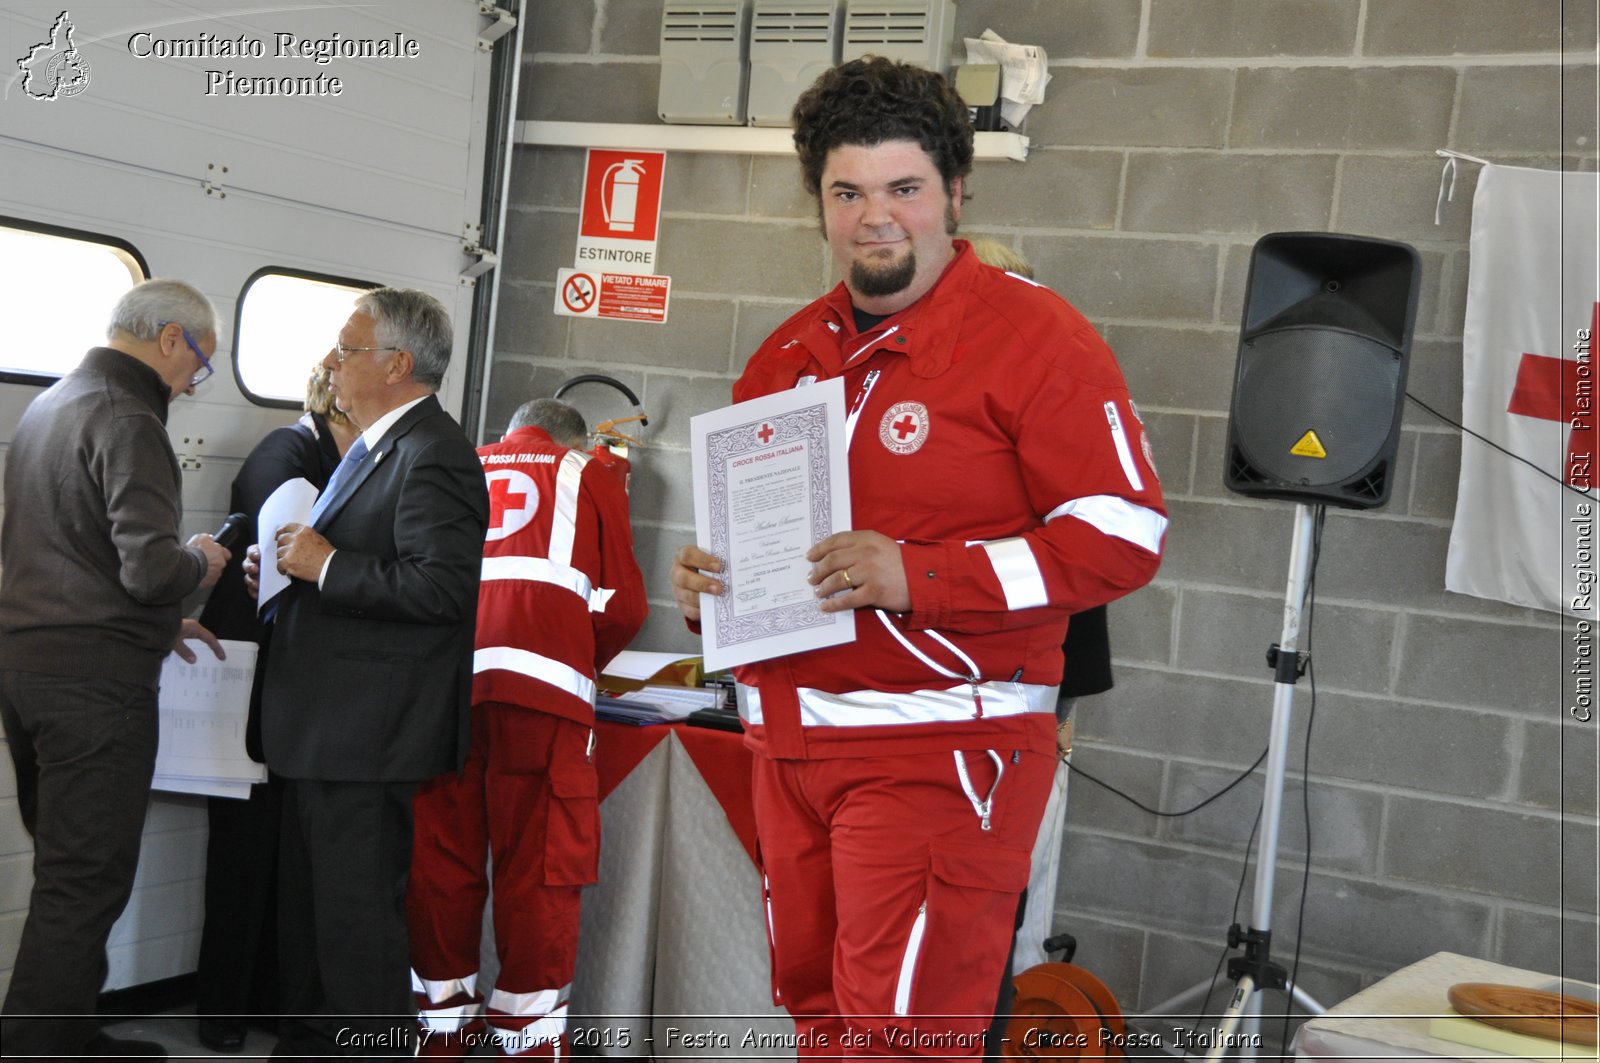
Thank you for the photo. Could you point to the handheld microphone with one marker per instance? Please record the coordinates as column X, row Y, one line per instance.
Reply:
column 231, row 529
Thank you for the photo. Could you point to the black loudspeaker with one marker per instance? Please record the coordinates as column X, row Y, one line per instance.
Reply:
column 1321, row 379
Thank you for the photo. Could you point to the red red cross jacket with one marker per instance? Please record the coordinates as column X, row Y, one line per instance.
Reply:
column 994, row 437
column 561, row 592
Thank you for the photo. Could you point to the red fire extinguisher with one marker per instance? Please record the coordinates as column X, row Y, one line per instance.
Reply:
column 620, row 183
column 611, row 446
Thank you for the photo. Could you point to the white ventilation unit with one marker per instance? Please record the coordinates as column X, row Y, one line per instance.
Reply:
column 915, row 31
column 792, row 42
column 704, row 53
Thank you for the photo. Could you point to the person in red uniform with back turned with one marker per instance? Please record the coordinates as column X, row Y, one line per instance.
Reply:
column 561, row 595
column 1000, row 481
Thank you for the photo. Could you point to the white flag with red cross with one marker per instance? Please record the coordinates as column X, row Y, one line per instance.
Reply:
column 1524, row 533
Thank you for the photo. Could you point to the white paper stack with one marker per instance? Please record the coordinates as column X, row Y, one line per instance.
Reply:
column 204, row 707
column 656, row 704
column 643, row 665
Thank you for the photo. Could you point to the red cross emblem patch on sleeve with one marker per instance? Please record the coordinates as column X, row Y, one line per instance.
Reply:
column 513, row 500
column 904, row 428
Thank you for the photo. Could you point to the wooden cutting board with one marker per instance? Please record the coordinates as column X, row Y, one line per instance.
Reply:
column 1530, row 1011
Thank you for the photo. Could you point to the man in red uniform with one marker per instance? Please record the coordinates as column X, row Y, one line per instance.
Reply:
column 1000, row 481
column 561, row 595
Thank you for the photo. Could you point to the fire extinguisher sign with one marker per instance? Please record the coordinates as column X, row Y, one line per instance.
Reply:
column 621, row 211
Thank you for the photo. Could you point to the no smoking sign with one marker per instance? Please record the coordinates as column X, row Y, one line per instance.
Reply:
column 578, row 292
column 621, row 296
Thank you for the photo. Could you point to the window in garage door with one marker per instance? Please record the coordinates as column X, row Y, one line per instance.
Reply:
column 68, row 280
column 288, row 319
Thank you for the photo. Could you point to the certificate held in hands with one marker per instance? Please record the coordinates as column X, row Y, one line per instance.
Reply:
column 770, row 481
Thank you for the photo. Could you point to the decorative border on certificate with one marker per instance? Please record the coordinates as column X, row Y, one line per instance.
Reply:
column 803, row 431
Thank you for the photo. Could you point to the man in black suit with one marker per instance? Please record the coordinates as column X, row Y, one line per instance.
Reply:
column 238, row 966
column 369, row 680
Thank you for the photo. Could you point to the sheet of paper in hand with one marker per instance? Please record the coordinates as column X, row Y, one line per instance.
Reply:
column 771, row 480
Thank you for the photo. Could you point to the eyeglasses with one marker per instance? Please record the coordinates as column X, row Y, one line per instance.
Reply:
column 205, row 363
column 341, row 352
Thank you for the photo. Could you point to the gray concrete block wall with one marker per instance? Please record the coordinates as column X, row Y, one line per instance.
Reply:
column 1176, row 132
column 1133, row 107
column 1233, row 28
column 1451, row 27
column 1341, row 108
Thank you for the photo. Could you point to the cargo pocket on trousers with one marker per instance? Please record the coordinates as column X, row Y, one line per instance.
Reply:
column 955, row 870
column 572, row 831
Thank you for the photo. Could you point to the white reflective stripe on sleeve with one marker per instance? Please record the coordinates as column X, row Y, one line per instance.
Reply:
column 529, row 1005
column 1124, row 452
column 600, row 598
column 1018, row 572
column 440, row 991
column 539, row 570
column 875, row 708
column 1117, row 516
column 511, row 659
column 563, row 526
column 546, row 1031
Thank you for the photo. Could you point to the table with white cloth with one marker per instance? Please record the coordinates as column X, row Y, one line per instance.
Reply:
column 1390, row 1018
column 673, row 955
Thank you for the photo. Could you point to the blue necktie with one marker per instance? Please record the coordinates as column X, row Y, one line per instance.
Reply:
column 346, row 469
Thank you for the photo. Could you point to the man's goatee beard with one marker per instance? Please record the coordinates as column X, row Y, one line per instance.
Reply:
column 871, row 281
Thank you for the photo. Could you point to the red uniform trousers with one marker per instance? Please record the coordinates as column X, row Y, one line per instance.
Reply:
column 527, row 796
column 889, row 904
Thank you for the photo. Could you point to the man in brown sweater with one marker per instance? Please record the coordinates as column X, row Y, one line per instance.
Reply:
column 91, row 590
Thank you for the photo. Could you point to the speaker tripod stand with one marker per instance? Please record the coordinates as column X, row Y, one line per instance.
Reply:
column 1255, row 971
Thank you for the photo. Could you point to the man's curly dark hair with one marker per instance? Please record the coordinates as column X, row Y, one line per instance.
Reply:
column 871, row 100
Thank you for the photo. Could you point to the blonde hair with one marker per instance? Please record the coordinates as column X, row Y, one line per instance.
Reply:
column 992, row 252
column 319, row 399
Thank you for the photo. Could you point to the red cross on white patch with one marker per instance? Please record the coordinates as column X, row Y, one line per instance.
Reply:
column 904, row 427
column 513, row 500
